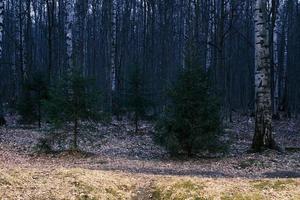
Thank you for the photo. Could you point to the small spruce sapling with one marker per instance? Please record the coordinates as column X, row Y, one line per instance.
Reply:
column 34, row 92
column 71, row 101
column 191, row 122
column 137, row 101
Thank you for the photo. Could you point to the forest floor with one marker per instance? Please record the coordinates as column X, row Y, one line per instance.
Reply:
column 123, row 165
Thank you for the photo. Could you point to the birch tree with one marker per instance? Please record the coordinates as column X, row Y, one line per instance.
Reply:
column 69, row 35
column 263, row 137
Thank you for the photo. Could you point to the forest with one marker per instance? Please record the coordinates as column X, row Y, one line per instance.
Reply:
column 149, row 99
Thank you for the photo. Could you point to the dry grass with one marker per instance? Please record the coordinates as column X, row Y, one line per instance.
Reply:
column 64, row 184
column 227, row 189
column 83, row 184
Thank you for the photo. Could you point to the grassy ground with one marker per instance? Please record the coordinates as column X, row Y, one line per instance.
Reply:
column 85, row 184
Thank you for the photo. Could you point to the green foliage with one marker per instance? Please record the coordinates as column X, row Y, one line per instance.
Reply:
column 137, row 101
column 73, row 100
column 29, row 105
column 191, row 122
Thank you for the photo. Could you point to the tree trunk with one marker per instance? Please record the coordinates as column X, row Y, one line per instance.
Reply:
column 69, row 35
column 263, row 137
column 284, row 87
column 50, row 17
column 2, row 119
column 113, row 45
column 274, row 45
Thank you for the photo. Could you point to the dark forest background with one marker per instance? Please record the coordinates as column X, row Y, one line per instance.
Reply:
column 111, row 38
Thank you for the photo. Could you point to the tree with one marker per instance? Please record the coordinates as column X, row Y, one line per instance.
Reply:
column 2, row 119
column 263, row 136
column 191, row 123
column 107, row 38
column 275, row 23
column 70, row 102
column 50, row 5
column 29, row 106
column 137, row 101
column 69, row 35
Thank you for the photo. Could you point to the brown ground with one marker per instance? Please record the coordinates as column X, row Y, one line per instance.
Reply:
column 138, row 162
column 116, row 149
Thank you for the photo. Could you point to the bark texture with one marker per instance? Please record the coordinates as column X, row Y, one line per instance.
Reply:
column 263, row 137
column 69, row 35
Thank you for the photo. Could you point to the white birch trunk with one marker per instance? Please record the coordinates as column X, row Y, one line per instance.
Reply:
column 263, row 137
column 69, row 36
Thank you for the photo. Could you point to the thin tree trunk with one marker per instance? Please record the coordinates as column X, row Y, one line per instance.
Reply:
column 69, row 35
column 2, row 119
column 210, row 33
column 50, row 14
column 113, row 45
column 274, row 45
column 28, row 40
column 284, row 98
column 23, row 68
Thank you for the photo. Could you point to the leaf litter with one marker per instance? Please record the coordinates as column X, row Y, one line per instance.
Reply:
column 120, row 155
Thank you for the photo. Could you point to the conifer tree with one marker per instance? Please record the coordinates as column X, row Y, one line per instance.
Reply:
column 34, row 92
column 191, row 122
column 137, row 100
column 70, row 102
